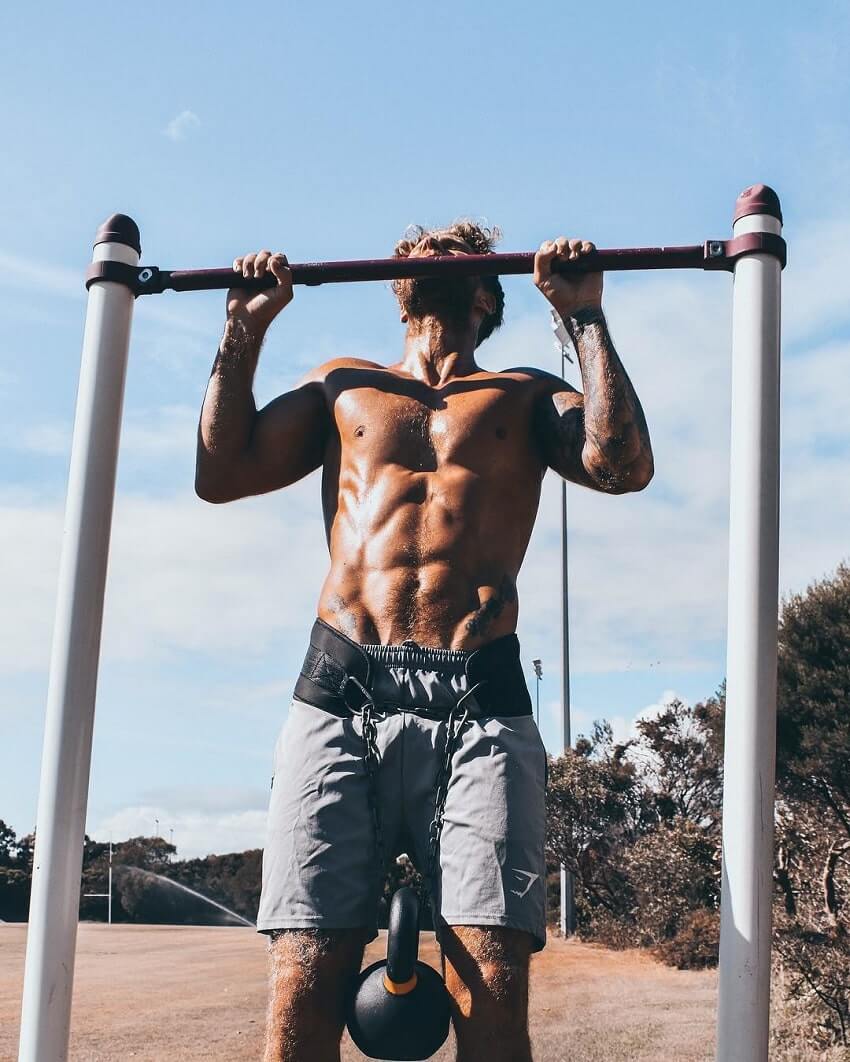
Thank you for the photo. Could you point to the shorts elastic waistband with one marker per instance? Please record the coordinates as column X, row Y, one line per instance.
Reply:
column 424, row 657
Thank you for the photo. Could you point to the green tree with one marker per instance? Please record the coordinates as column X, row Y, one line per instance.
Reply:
column 679, row 753
column 148, row 853
column 813, row 723
column 8, row 845
column 674, row 871
column 15, row 873
column 596, row 807
column 812, row 871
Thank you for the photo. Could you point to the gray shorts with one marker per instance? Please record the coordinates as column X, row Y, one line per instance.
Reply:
column 319, row 862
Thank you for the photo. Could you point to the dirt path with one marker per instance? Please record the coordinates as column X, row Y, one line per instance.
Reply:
column 152, row 993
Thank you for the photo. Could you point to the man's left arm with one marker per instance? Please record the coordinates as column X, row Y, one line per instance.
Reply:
column 598, row 438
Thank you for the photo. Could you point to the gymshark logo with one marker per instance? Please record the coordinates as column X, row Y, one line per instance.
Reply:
column 531, row 880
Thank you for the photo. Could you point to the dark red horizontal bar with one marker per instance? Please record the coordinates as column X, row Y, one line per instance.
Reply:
column 713, row 254
column 612, row 259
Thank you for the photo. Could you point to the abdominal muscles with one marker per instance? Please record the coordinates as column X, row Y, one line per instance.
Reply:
column 430, row 556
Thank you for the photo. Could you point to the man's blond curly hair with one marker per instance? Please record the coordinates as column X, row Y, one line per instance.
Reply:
column 481, row 239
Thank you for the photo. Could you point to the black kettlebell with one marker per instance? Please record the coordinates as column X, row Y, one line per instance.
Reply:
column 399, row 1010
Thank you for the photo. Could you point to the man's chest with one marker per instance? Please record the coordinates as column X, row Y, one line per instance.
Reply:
column 423, row 428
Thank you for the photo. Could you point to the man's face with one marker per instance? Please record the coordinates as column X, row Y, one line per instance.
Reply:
column 450, row 300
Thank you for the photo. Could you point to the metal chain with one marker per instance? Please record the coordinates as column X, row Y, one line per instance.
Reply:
column 372, row 759
column 444, row 773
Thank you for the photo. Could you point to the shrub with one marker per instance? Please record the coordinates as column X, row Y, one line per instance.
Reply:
column 696, row 944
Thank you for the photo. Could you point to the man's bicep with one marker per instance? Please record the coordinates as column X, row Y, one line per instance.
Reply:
column 288, row 439
column 559, row 418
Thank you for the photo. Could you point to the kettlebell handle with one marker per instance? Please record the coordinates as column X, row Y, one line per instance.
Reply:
column 402, row 942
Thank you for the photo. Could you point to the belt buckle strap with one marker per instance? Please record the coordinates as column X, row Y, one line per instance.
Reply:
column 473, row 710
column 356, row 709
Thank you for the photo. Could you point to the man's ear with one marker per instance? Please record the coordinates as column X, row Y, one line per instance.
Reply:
column 485, row 301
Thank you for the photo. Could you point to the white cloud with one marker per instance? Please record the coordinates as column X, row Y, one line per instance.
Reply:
column 212, row 799
column 816, row 405
column 158, row 433
column 46, row 439
column 626, row 728
column 181, row 125
column 30, row 537
column 197, row 833
column 47, row 278
column 183, row 575
column 253, row 695
column 167, row 431
column 816, row 283
column 188, row 575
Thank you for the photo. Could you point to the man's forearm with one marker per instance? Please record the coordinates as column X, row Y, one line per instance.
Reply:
column 229, row 409
column 617, row 450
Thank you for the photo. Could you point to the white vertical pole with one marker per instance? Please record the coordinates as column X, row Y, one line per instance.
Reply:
column 109, row 900
column 750, row 731
column 66, row 757
column 567, row 882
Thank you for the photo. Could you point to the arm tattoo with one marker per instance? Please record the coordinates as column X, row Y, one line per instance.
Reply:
column 617, row 451
column 561, row 435
column 229, row 409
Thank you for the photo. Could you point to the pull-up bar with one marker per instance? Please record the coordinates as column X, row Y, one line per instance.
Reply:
column 756, row 254
column 151, row 280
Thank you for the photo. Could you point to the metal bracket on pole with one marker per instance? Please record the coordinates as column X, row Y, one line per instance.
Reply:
column 141, row 280
column 724, row 254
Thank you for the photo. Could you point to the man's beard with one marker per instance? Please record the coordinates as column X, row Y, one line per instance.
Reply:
column 449, row 300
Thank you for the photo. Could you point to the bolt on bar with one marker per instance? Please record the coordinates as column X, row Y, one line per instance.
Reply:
column 756, row 253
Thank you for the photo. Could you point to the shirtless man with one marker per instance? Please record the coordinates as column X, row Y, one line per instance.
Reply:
column 432, row 471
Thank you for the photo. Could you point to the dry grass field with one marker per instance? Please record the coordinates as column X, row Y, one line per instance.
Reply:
column 154, row 993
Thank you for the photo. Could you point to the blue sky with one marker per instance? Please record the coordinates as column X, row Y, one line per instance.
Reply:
column 324, row 131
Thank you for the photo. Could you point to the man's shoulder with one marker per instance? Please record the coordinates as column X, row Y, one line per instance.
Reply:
column 529, row 372
column 540, row 379
column 321, row 373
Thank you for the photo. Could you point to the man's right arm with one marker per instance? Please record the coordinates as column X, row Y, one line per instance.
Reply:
column 243, row 451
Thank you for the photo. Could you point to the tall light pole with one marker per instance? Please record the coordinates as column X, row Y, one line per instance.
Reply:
column 538, row 672
column 563, row 342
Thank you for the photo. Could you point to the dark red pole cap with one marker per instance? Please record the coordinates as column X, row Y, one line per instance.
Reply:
column 120, row 229
column 757, row 199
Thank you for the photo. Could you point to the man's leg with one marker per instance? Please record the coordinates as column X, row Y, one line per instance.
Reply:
column 487, row 977
column 310, row 974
